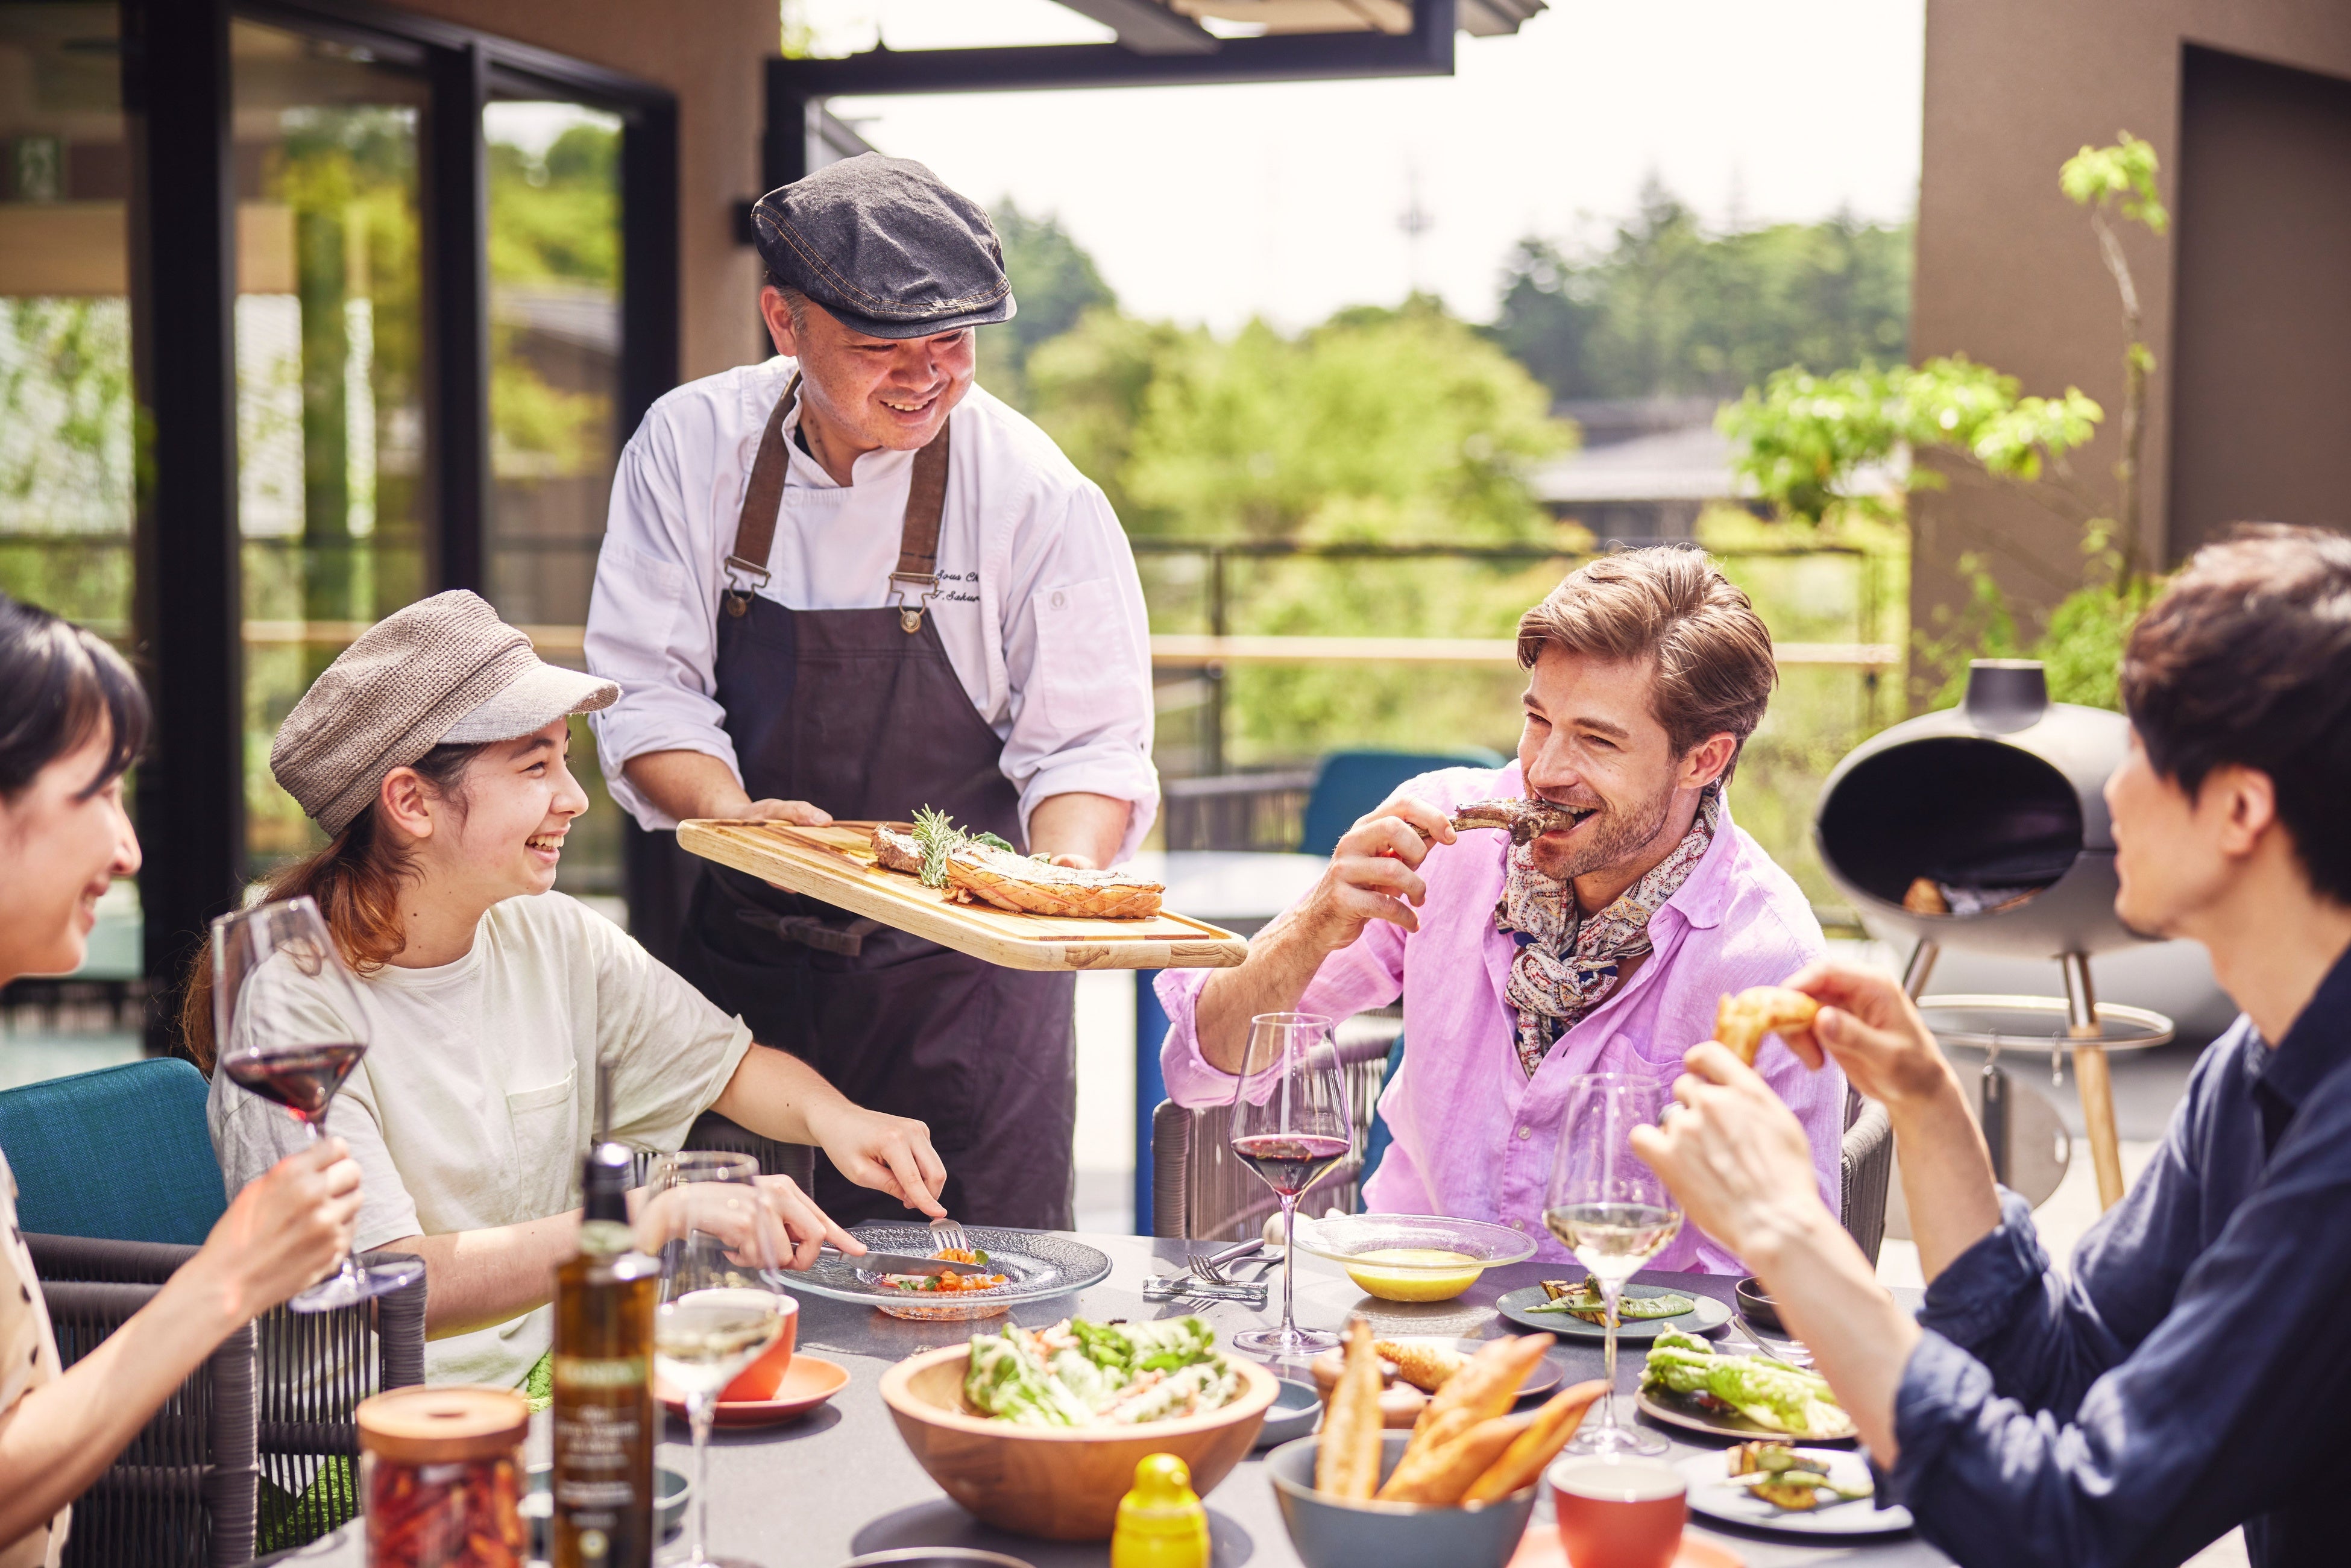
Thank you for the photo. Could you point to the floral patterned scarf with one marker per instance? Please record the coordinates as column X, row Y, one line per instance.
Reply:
column 1568, row 964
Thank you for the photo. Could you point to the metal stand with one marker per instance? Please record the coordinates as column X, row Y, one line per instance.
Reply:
column 1915, row 974
column 2092, row 1078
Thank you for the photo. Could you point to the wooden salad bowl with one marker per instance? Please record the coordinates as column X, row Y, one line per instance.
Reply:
column 1060, row 1483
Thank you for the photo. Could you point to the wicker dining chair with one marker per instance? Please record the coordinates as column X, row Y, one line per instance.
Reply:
column 283, row 1421
column 1199, row 1191
column 183, row 1494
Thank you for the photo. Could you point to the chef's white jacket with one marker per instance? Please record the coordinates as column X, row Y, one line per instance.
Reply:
column 1038, row 605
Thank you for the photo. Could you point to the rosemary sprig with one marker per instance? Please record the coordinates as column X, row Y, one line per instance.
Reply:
column 938, row 837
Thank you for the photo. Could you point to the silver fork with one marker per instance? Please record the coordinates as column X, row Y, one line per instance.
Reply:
column 1211, row 1266
column 1795, row 1355
column 947, row 1236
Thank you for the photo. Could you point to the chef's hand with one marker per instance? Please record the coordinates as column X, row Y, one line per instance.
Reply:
column 1374, row 873
column 798, row 814
column 1871, row 1029
column 888, row 1153
column 1734, row 1154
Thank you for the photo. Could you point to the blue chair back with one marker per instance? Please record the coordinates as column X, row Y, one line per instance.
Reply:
column 120, row 1154
column 1350, row 783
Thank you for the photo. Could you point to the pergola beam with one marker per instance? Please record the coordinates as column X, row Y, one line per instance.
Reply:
column 1147, row 27
column 1426, row 50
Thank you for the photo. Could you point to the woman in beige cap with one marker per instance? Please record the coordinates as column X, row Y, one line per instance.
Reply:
column 433, row 752
column 71, row 720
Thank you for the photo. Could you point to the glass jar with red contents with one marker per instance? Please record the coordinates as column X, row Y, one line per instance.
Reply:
column 441, row 1472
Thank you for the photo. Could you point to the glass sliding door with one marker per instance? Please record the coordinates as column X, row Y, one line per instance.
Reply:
column 555, row 247
column 66, row 396
column 332, row 502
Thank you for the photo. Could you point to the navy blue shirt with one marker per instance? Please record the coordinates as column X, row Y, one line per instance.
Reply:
column 2193, row 1373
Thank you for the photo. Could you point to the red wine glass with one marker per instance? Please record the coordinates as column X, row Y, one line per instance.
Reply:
column 1290, row 1126
column 288, row 1015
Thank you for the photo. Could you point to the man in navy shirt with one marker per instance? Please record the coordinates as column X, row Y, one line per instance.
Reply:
column 2193, row 1373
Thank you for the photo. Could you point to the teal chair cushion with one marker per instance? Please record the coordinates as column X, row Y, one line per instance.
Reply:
column 1349, row 784
column 121, row 1153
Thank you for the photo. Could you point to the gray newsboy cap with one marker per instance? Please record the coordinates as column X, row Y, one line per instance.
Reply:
column 886, row 247
column 444, row 669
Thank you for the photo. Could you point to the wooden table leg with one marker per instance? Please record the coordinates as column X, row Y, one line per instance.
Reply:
column 2096, row 1083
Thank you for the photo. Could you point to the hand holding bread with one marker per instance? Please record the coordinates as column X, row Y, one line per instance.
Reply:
column 1741, row 1022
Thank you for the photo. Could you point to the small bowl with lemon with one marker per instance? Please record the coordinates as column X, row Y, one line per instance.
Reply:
column 1412, row 1256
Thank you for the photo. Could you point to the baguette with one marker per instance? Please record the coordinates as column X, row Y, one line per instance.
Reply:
column 1347, row 1461
column 1443, row 1471
column 1522, row 1464
column 1490, row 1384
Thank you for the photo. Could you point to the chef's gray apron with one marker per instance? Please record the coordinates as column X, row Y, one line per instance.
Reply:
column 858, row 713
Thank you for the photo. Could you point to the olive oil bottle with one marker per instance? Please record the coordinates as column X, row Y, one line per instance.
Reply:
column 604, row 1418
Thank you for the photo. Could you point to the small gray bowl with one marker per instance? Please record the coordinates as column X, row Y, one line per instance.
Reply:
column 1328, row 1533
column 1295, row 1410
column 1757, row 1305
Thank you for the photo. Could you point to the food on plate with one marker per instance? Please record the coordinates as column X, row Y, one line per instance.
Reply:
column 1533, row 1449
column 983, row 868
column 1741, row 1022
column 1923, row 896
column 1769, row 1393
column 1400, row 1407
column 1488, row 1385
column 1582, row 1299
column 950, row 1284
column 1413, row 1273
column 1347, row 1461
column 1081, row 1374
column 1427, row 1367
column 1788, row 1479
column 1524, row 820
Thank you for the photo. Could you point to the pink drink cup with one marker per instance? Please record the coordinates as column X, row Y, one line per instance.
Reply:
column 1618, row 1510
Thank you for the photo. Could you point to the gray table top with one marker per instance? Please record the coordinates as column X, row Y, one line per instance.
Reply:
column 840, row 1482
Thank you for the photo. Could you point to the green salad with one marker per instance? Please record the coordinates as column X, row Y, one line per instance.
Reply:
column 1077, row 1373
column 1766, row 1392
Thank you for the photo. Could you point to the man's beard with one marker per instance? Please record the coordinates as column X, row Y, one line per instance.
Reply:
column 1616, row 836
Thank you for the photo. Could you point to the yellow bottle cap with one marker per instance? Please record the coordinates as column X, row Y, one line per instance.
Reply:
column 1163, row 1501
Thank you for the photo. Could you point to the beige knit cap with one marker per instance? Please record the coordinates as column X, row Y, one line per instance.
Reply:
column 443, row 668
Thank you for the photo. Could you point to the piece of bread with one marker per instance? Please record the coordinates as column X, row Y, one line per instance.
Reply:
column 1440, row 1474
column 1427, row 1367
column 1741, row 1022
column 1523, row 1463
column 1347, row 1463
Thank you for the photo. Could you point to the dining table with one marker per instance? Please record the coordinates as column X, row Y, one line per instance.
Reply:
column 839, row 1482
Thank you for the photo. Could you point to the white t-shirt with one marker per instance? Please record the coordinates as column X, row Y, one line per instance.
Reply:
column 473, row 1105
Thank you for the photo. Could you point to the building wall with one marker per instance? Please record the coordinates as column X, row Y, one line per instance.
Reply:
column 2008, row 270
column 710, row 54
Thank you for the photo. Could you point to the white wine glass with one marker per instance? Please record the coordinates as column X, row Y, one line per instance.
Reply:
column 1290, row 1125
column 1613, row 1213
column 288, row 1017
column 718, row 1238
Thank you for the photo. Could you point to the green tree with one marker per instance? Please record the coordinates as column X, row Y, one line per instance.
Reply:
column 1054, row 282
column 1669, row 308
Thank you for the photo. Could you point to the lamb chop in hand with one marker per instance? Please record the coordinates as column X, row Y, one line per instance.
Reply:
column 1523, row 820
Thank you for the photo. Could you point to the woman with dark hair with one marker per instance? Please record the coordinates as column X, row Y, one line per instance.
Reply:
column 72, row 718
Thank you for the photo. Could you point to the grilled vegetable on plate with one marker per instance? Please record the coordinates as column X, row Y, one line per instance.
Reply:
column 1771, row 1395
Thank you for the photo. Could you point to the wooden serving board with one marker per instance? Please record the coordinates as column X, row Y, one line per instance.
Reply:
column 835, row 863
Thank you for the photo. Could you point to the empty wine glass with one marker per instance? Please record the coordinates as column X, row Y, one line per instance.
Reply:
column 718, row 1238
column 288, row 1015
column 1612, row 1212
column 1290, row 1125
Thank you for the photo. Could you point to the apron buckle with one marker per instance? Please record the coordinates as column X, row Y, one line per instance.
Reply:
column 910, row 617
column 739, row 591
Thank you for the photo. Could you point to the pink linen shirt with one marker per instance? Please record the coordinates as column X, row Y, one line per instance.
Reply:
column 1474, row 1136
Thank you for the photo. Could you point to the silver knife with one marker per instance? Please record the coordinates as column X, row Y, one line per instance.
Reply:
column 900, row 1263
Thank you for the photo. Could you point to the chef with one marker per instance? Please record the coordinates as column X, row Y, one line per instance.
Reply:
column 847, row 584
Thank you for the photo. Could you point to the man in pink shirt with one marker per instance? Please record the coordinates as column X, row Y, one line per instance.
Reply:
column 1600, row 948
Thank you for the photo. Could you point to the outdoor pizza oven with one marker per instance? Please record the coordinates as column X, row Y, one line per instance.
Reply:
column 1983, row 826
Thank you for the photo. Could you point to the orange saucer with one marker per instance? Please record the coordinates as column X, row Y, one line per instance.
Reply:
column 808, row 1383
column 1541, row 1548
